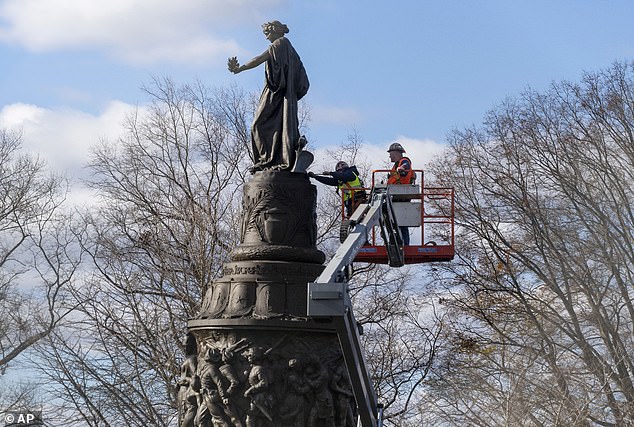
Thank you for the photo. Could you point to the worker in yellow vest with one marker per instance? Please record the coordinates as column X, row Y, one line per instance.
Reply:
column 346, row 179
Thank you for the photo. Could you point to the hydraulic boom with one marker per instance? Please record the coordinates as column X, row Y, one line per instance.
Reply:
column 328, row 296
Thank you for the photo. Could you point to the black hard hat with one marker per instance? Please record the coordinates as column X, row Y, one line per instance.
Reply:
column 341, row 165
column 396, row 147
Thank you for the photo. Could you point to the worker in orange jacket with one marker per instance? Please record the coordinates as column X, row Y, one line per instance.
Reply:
column 401, row 173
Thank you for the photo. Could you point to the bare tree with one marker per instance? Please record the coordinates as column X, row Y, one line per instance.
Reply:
column 541, row 296
column 36, row 258
column 401, row 329
column 166, row 221
column 39, row 258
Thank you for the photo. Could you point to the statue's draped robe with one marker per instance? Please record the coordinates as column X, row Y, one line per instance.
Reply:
column 275, row 131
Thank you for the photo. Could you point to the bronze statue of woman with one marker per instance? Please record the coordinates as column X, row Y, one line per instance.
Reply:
column 275, row 134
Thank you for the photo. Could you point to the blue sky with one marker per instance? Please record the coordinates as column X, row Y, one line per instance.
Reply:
column 403, row 70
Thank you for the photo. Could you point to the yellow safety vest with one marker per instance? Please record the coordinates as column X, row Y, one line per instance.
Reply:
column 347, row 187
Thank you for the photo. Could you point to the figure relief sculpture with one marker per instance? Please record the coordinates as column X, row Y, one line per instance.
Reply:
column 275, row 134
column 322, row 413
column 213, row 412
column 342, row 396
column 229, row 356
column 189, row 385
column 293, row 407
column 260, row 412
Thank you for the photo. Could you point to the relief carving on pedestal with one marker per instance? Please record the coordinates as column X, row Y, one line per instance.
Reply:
column 285, row 380
column 270, row 300
column 278, row 219
column 277, row 215
column 215, row 300
column 260, row 290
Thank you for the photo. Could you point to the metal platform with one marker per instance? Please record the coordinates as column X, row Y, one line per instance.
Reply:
column 412, row 254
column 427, row 211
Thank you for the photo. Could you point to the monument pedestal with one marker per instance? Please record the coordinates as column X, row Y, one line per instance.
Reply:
column 259, row 360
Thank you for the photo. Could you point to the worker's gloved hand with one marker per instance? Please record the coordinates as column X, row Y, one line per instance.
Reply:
column 325, row 173
column 310, row 174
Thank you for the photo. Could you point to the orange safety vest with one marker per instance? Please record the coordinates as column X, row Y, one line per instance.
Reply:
column 396, row 178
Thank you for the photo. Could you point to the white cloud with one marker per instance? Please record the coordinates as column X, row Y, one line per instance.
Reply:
column 63, row 137
column 137, row 31
column 18, row 115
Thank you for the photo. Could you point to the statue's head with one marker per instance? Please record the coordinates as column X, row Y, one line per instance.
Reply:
column 274, row 28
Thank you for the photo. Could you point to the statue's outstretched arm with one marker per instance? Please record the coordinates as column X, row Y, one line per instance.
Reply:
column 236, row 68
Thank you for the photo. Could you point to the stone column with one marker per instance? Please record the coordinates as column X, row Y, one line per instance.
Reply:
column 259, row 360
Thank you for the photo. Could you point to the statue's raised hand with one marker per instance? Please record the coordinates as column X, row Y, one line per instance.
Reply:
column 233, row 65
